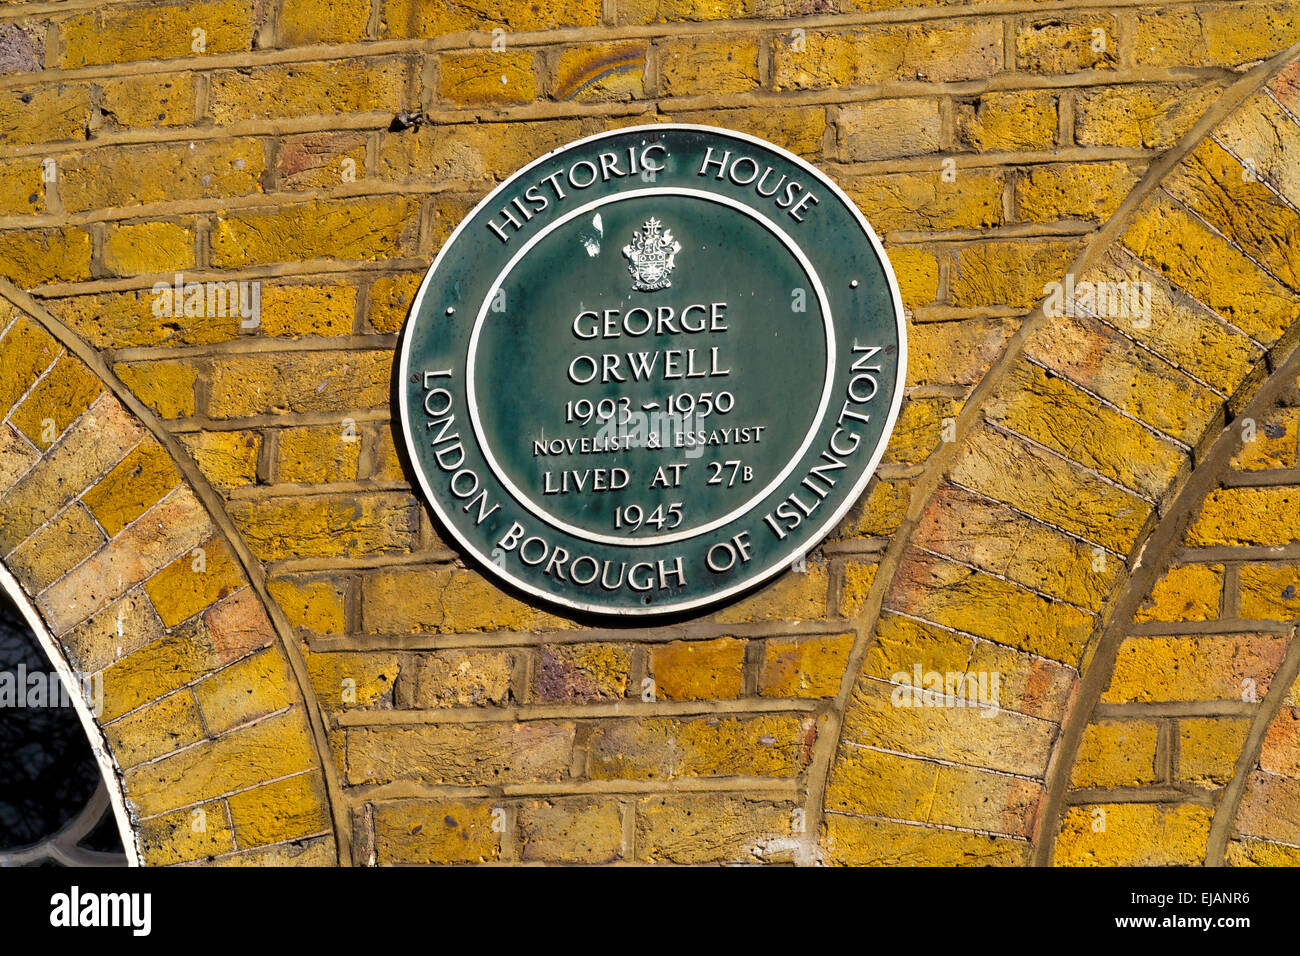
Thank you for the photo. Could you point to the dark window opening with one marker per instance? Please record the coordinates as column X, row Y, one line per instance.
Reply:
column 54, row 806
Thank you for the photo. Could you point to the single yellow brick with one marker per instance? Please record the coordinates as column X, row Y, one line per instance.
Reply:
column 800, row 129
column 861, row 841
column 1272, row 443
column 698, row 670
column 285, row 810
column 892, row 128
column 156, row 729
column 1148, row 116
column 1208, row 748
column 1084, row 191
column 165, row 386
column 142, row 478
column 488, row 77
column 434, row 18
column 796, row 595
column 362, row 229
column 1133, row 834
column 708, row 65
column 882, row 784
column 678, row 11
column 812, row 667
column 1027, row 684
column 148, row 247
column 1008, row 121
column 148, row 100
column 63, row 543
column 1247, row 516
column 1009, row 273
column 227, row 459
column 656, row 748
column 858, row 578
column 603, row 71
column 597, row 671
column 571, row 831
column 58, row 400
column 1184, row 593
column 938, row 53
column 318, row 453
column 1116, row 754
column 246, row 385
column 317, row 852
column 134, row 33
column 925, row 202
column 435, row 831
column 390, row 301
column 1067, row 44
column 882, row 511
column 139, row 318
column 320, row 160
column 469, row 151
column 1194, row 667
column 327, row 525
column 693, row 829
column 194, row 581
column 304, row 22
column 917, row 272
column 47, row 113
column 977, row 799
column 387, row 464
column 443, row 599
column 96, row 642
column 462, row 679
column 297, row 310
column 322, row 88
column 129, row 175
column 1269, row 593
column 22, row 188
column 344, row 679
column 954, row 353
column 316, row 604
column 534, row 750
column 196, row 833
column 1213, row 36
column 1248, row 852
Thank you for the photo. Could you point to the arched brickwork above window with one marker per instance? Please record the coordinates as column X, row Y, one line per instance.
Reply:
column 113, row 537
column 1027, row 537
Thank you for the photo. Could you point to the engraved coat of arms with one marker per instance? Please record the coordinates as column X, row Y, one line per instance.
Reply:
column 651, row 255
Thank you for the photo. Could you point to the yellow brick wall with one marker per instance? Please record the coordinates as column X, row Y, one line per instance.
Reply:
column 325, row 149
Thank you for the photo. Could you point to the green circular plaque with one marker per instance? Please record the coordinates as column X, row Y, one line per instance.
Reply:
column 652, row 369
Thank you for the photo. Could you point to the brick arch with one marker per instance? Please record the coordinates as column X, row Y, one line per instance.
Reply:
column 1022, row 535
column 128, row 557
column 1180, row 748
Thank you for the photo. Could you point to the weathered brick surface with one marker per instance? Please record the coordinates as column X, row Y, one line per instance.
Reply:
column 986, row 144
